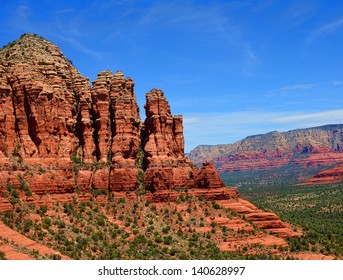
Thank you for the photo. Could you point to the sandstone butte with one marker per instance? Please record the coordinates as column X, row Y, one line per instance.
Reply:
column 61, row 136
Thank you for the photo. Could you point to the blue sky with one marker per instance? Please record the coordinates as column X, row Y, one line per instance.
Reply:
column 231, row 68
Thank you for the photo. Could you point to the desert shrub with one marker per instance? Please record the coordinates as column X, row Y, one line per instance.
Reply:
column 46, row 222
column 42, row 210
column 166, row 229
column 2, row 256
column 215, row 205
column 167, row 240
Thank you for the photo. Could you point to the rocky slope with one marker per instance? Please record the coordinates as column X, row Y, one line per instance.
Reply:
column 307, row 147
column 18, row 247
column 61, row 137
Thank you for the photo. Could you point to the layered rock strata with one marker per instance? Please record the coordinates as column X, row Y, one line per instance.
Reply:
column 117, row 128
column 328, row 176
column 263, row 220
column 166, row 167
column 60, row 135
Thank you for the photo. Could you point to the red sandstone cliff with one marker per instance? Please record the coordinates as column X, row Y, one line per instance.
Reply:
column 45, row 103
column 59, row 134
column 166, row 167
column 117, row 127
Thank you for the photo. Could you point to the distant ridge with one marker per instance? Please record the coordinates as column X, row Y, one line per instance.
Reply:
column 321, row 145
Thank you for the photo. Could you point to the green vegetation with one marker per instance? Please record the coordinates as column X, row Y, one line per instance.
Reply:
column 285, row 175
column 24, row 186
column 18, row 41
column 139, row 158
column 76, row 161
column 141, row 188
column 104, row 226
column 317, row 210
column 16, row 150
column 97, row 192
column 125, row 228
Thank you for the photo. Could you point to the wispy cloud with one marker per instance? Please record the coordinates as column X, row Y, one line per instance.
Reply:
column 65, row 11
column 297, row 86
column 189, row 16
column 325, row 29
column 23, row 11
column 288, row 88
column 336, row 82
column 21, row 19
column 69, row 31
column 260, row 6
column 79, row 46
column 179, row 80
column 330, row 116
column 250, row 60
column 303, row 10
column 208, row 23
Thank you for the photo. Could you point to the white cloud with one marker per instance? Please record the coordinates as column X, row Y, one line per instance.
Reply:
column 331, row 116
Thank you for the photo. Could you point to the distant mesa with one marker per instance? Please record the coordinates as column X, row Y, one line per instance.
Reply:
column 312, row 147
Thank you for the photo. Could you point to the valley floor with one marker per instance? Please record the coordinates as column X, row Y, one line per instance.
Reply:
column 316, row 209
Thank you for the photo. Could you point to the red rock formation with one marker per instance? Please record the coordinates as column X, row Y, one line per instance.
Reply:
column 117, row 113
column 207, row 177
column 164, row 142
column 60, row 137
column 45, row 103
column 322, row 158
column 166, row 166
column 7, row 119
column 117, row 128
column 263, row 220
column 247, row 161
column 13, row 253
column 88, row 137
column 101, row 116
column 50, row 113
column 328, row 176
